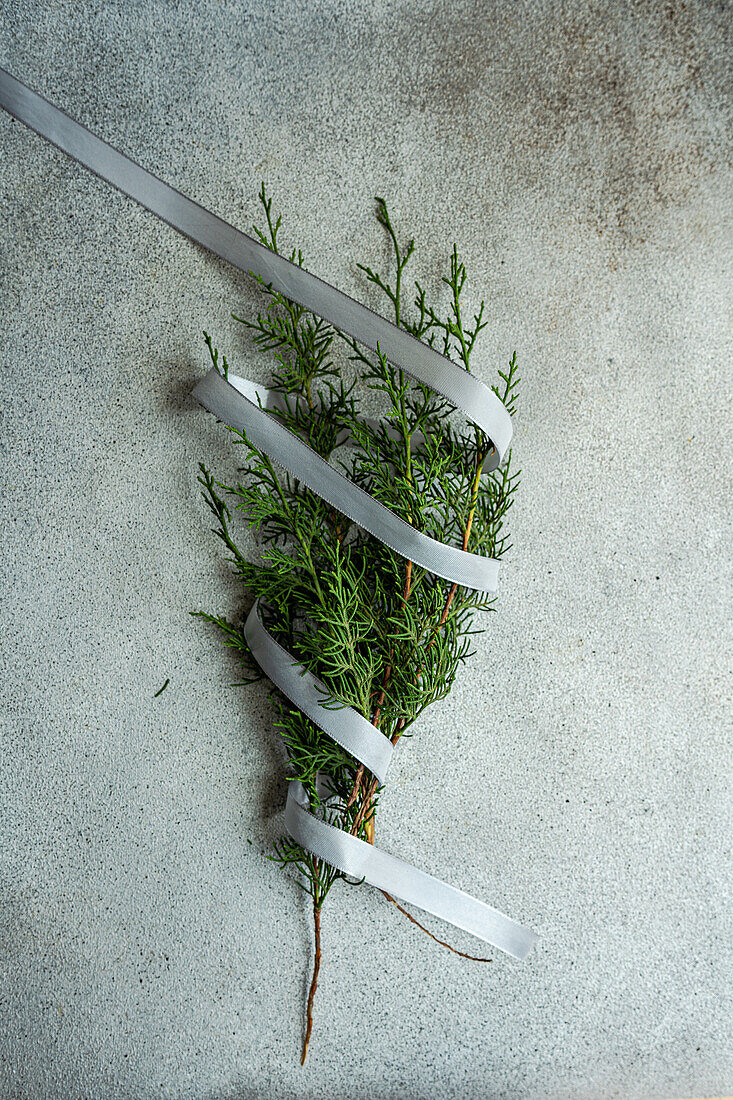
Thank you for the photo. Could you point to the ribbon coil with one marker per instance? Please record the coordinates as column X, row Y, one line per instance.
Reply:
column 244, row 406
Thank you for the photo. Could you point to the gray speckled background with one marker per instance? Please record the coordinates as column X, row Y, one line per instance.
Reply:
column 576, row 777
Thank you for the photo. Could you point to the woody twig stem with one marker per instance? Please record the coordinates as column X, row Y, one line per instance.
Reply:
column 443, row 943
column 314, row 979
column 481, row 458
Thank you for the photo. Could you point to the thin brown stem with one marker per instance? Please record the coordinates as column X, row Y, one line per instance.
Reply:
column 372, row 790
column 355, row 788
column 408, row 583
column 380, row 697
column 314, row 980
column 466, row 537
column 473, row 958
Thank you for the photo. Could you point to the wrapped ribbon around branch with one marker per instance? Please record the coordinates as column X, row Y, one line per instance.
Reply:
column 244, row 407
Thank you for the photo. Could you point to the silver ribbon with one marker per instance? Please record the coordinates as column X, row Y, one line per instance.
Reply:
column 227, row 399
column 244, row 406
column 348, row 853
column 345, row 726
column 480, row 404
column 394, row 876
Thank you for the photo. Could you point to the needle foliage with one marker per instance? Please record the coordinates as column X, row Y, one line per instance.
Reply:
column 385, row 636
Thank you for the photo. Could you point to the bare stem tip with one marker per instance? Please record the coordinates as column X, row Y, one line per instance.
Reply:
column 314, row 982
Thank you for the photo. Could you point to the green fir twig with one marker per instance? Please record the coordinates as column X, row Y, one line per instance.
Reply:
column 385, row 636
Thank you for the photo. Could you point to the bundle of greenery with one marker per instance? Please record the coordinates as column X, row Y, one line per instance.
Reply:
column 385, row 636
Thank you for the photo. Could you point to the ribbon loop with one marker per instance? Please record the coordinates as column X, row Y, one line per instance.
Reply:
column 361, row 860
column 228, row 403
column 344, row 725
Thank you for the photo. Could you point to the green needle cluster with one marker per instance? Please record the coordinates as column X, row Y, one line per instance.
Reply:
column 385, row 636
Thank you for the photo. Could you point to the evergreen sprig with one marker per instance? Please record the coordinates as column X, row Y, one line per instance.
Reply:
column 385, row 636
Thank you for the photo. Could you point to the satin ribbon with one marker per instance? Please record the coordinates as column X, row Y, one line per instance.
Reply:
column 421, row 362
column 348, row 853
column 227, row 399
column 241, row 404
column 345, row 726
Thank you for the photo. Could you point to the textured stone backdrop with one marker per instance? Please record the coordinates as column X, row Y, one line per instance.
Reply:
column 576, row 777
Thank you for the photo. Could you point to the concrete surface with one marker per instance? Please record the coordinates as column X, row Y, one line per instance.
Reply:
column 577, row 776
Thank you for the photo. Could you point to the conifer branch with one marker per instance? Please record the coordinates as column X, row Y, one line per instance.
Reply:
column 385, row 636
